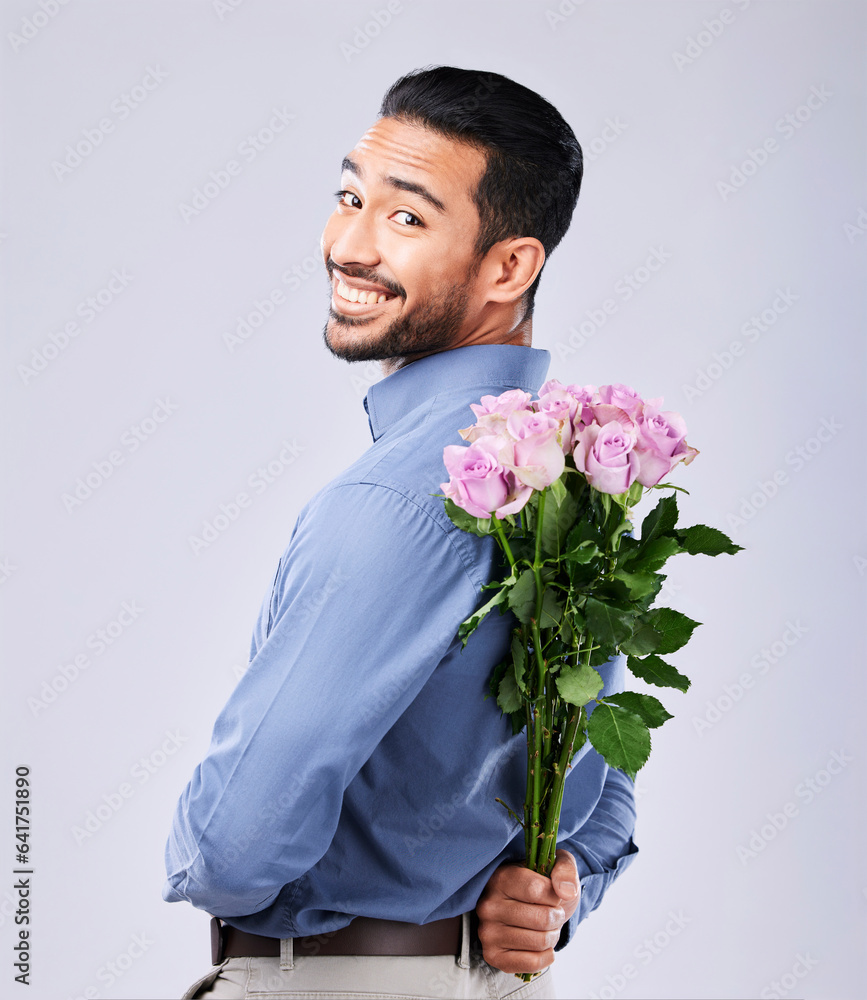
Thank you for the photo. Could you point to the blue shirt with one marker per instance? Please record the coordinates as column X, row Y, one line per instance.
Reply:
column 355, row 767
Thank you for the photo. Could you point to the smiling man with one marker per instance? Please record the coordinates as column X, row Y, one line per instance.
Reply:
column 343, row 828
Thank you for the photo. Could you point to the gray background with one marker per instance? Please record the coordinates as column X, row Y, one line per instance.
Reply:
column 666, row 108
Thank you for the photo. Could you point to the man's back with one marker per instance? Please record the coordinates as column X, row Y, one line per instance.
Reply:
column 360, row 718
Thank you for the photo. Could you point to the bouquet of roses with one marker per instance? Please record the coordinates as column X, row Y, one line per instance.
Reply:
column 554, row 481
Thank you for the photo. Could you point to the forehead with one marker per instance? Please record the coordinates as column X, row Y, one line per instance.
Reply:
column 447, row 168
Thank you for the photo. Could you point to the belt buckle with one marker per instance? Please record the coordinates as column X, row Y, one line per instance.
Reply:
column 216, row 941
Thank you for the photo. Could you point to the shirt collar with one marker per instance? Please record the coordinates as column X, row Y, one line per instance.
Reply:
column 484, row 365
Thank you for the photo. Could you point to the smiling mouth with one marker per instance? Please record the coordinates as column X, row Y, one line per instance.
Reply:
column 358, row 299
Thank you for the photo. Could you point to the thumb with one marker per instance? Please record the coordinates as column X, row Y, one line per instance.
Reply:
column 564, row 875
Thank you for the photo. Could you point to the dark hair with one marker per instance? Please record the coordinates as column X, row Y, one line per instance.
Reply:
column 534, row 162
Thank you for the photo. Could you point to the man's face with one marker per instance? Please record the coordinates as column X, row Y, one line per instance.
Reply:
column 398, row 247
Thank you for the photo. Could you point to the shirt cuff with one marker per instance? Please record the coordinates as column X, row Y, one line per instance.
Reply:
column 593, row 888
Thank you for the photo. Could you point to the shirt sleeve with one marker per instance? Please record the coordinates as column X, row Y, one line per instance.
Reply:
column 366, row 603
column 603, row 849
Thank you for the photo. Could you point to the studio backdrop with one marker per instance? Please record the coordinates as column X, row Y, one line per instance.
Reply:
column 169, row 406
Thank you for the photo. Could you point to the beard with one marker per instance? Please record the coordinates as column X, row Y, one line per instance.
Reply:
column 430, row 327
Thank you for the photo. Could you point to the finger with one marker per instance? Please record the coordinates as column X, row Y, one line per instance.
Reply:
column 514, row 913
column 518, row 961
column 506, row 938
column 564, row 876
column 522, row 884
column 515, row 949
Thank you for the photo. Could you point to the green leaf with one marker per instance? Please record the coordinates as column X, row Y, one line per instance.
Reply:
column 673, row 627
column 637, row 584
column 650, row 709
column 644, row 639
column 584, row 531
column 481, row 526
column 660, row 521
column 606, row 622
column 577, row 621
column 519, row 722
column 620, row 736
column 495, row 678
column 651, row 557
column 566, row 632
column 509, row 698
column 584, row 552
column 702, row 540
column 582, row 575
column 600, row 655
column 578, row 684
column 522, row 597
column 519, row 658
column 602, row 503
column 561, row 509
column 470, row 625
column 656, row 671
column 634, row 495
column 552, row 610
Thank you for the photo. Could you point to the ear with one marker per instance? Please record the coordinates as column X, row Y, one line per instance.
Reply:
column 511, row 267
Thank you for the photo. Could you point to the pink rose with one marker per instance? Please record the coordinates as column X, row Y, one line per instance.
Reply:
column 660, row 436
column 479, row 483
column 491, row 413
column 505, row 403
column 621, row 403
column 489, row 424
column 556, row 399
column 661, row 444
column 537, row 458
column 606, row 455
column 622, row 396
column 559, row 405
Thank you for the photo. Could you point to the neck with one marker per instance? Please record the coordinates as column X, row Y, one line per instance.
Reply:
column 520, row 335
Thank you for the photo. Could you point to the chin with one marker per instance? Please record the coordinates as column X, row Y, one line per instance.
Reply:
column 347, row 345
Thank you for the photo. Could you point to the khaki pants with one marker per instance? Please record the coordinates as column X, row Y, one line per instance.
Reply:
column 319, row 977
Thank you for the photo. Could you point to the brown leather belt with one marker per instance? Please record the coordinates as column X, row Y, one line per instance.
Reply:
column 364, row 936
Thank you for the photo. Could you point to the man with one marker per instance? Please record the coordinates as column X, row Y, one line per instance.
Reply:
column 343, row 824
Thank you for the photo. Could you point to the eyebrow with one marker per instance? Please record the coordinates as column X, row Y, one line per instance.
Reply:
column 397, row 182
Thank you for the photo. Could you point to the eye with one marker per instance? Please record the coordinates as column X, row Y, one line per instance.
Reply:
column 346, row 198
column 411, row 220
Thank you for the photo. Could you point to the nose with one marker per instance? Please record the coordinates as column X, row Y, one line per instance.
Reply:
column 351, row 239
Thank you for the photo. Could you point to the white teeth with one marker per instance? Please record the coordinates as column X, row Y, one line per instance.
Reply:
column 361, row 296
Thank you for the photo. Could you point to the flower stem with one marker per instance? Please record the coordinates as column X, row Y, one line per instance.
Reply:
column 552, row 815
column 528, row 797
column 538, row 695
column 504, row 542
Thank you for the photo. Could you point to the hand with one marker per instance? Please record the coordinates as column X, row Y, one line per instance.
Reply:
column 521, row 912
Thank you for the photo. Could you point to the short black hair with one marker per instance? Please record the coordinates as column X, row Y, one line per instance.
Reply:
column 534, row 162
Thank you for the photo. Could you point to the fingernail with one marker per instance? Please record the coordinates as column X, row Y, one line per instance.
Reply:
column 569, row 888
